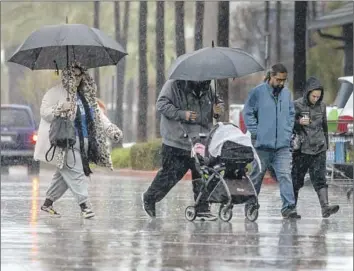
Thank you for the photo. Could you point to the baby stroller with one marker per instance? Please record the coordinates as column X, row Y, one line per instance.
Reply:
column 221, row 159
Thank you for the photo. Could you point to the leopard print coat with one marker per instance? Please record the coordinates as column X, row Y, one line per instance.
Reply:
column 89, row 87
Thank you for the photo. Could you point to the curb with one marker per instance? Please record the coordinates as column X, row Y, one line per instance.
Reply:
column 151, row 174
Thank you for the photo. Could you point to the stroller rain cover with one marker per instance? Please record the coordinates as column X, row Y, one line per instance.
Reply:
column 228, row 132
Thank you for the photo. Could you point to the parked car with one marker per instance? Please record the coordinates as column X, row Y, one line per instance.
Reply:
column 18, row 137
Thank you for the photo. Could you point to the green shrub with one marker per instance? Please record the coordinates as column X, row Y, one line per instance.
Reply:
column 146, row 156
column 121, row 157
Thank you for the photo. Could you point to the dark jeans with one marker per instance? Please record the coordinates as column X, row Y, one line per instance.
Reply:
column 315, row 164
column 175, row 164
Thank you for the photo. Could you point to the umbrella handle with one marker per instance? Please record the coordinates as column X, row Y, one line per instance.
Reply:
column 216, row 116
column 56, row 67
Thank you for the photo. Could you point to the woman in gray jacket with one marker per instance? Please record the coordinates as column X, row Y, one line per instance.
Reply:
column 312, row 132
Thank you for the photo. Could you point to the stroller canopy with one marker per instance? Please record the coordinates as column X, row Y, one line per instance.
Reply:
column 223, row 132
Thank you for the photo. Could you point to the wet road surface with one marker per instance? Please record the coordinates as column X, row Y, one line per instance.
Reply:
column 122, row 237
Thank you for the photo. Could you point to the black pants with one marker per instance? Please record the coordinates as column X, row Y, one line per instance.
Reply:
column 175, row 164
column 315, row 164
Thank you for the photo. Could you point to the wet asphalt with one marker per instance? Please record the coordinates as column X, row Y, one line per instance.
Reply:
column 122, row 237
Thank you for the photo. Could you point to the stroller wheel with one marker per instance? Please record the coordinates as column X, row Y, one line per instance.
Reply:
column 190, row 213
column 252, row 213
column 225, row 213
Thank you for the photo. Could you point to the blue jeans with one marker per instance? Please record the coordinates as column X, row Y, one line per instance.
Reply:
column 280, row 161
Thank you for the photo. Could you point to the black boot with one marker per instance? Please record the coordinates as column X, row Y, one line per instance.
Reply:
column 327, row 210
column 148, row 206
column 296, row 195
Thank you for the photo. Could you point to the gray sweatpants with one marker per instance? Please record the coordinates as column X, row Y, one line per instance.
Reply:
column 67, row 178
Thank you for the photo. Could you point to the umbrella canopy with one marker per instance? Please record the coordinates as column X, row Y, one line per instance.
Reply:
column 214, row 63
column 56, row 46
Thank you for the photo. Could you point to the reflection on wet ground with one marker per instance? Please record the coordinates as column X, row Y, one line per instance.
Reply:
column 122, row 237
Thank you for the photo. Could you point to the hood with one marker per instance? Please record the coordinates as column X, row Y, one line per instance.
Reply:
column 312, row 84
column 68, row 80
column 198, row 88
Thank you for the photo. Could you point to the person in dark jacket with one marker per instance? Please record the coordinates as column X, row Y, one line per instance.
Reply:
column 312, row 130
column 269, row 116
column 194, row 105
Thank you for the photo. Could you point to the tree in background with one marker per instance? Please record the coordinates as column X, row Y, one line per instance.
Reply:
column 143, row 74
column 96, row 24
column 160, row 56
column 19, row 19
column 348, row 49
column 223, row 41
column 346, row 38
column 199, row 23
column 278, row 32
column 121, row 36
column 300, row 30
column 179, row 28
column 341, row 38
column 267, row 36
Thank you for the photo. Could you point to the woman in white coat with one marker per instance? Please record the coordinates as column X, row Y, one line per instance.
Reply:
column 92, row 127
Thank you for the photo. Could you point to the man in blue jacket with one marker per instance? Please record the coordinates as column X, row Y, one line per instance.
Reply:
column 269, row 116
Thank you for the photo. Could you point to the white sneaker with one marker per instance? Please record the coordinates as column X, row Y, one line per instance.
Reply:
column 87, row 213
column 50, row 210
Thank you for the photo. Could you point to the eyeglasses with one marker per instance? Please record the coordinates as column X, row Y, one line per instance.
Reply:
column 280, row 80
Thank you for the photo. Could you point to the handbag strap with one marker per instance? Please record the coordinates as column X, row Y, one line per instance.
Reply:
column 46, row 155
column 66, row 154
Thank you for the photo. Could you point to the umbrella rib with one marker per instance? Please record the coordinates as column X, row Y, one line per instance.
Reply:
column 247, row 54
column 230, row 61
column 35, row 62
column 102, row 45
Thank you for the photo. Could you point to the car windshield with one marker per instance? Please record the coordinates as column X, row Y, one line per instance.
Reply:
column 12, row 117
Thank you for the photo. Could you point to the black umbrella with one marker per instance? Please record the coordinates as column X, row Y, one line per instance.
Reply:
column 214, row 63
column 56, row 46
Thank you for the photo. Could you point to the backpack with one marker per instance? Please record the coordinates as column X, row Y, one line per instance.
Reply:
column 62, row 134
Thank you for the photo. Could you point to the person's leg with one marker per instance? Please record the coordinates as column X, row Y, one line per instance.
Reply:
column 203, row 207
column 197, row 183
column 272, row 173
column 318, row 179
column 173, row 169
column 56, row 190
column 282, row 167
column 300, row 166
column 257, row 173
column 77, row 182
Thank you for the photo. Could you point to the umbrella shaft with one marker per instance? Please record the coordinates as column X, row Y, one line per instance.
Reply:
column 67, row 55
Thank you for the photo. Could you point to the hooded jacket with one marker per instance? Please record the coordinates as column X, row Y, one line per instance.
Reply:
column 314, row 136
column 177, row 97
